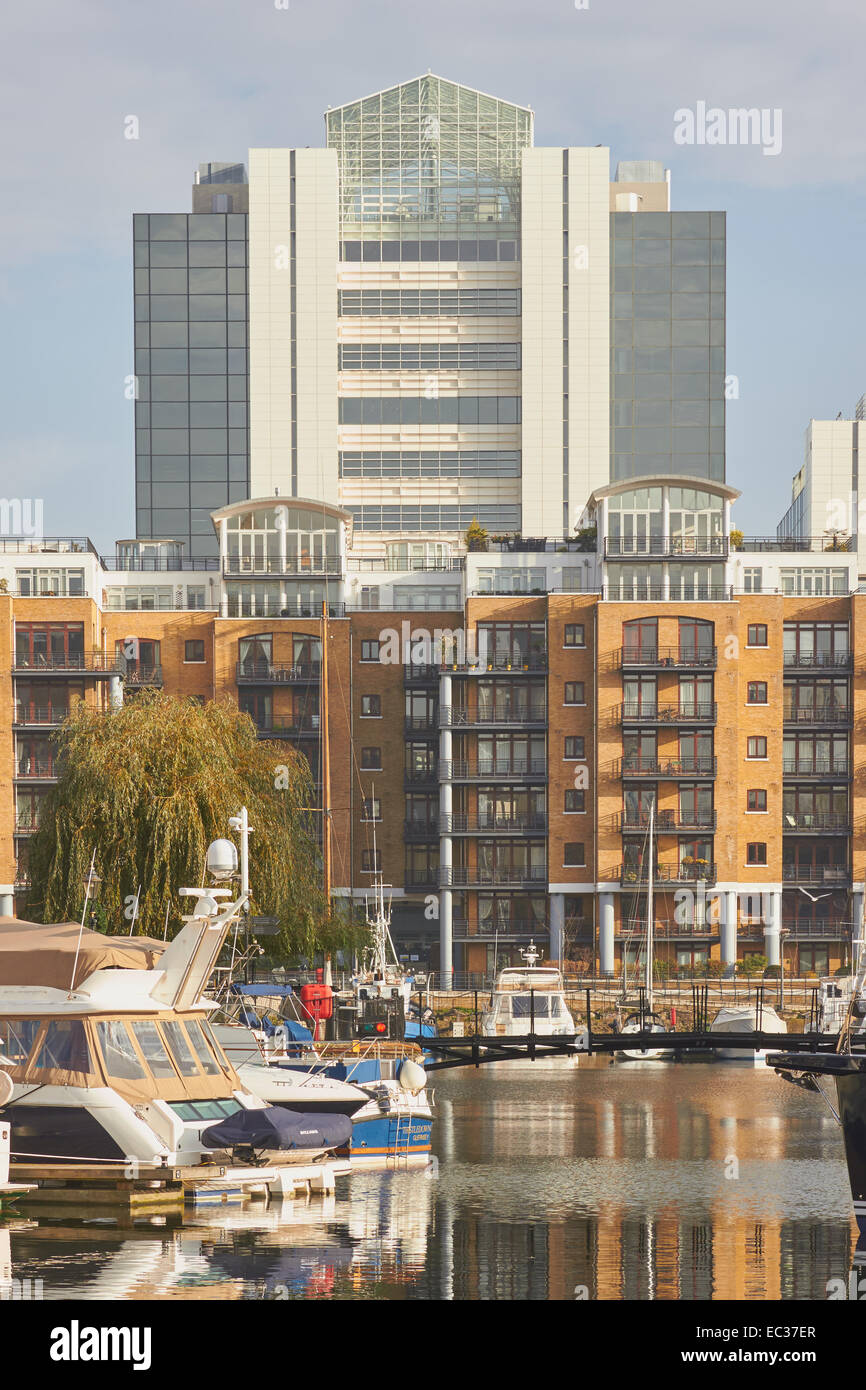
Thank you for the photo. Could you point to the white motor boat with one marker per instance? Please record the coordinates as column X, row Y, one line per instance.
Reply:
column 527, row 999
column 111, row 1054
column 746, row 1018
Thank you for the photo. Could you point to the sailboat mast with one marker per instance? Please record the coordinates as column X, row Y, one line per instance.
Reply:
column 649, row 912
column 326, row 775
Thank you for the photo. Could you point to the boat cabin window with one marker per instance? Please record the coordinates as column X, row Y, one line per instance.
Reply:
column 153, row 1048
column 16, row 1039
column 204, row 1109
column 180, row 1049
column 202, row 1051
column 118, row 1051
column 64, row 1047
column 220, row 1055
column 543, row 1006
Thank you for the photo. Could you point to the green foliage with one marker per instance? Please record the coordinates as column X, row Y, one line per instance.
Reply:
column 736, row 539
column 587, row 537
column 148, row 786
column 476, row 536
column 752, row 965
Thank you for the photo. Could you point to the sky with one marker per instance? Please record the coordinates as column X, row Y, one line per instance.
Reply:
column 208, row 79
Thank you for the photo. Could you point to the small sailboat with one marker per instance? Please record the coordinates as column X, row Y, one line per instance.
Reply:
column 645, row 1021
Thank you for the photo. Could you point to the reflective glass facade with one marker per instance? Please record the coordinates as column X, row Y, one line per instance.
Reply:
column 668, row 344
column 191, row 415
column 426, row 156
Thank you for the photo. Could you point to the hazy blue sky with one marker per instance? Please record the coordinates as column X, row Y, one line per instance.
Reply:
column 209, row 78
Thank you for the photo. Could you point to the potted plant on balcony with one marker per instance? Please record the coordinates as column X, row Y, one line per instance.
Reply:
column 476, row 536
column 736, row 539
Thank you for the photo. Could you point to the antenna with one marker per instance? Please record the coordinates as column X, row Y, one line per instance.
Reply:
column 92, row 881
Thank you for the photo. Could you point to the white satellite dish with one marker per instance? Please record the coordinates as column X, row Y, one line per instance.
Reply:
column 7, row 1087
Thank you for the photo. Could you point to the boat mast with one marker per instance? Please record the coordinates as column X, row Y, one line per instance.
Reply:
column 649, row 914
column 326, row 775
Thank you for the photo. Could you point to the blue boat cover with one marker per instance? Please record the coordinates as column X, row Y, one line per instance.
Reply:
column 277, row 1128
column 263, row 991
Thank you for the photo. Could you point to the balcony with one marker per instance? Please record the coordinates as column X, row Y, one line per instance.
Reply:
column 818, row 661
column 84, row 663
column 670, row 769
column 425, row 724
column 665, row 547
column 36, row 770
column 452, row 718
column 530, row 876
column 286, row 726
column 816, row 716
column 137, row 677
column 495, row 769
column 39, row 716
column 667, row 658
column 700, row 872
column 819, row 931
column 683, row 930
column 688, row 713
column 388, row 564
column 834, row 875
column 816, row 767
column 427, row 877
column 816, row 824
column 26, row 824
column 463, row 930
column 47, row 545
column 666, row 822
column 421, row 673
column 493, row 825
column 502, row 665
column 262, row 673
column 310, row 565
column 414, row 777
column 415, row 831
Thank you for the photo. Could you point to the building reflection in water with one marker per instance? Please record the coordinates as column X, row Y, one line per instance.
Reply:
column 641, row 1181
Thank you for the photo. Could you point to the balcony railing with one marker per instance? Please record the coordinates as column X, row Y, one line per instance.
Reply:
column 159, row 564
column 36, row 770
column 462, row 770
column 667, row 822
column 463, row 930
column 286, row 726
column 801, row 543
column 688, row 713
column 421, row 673
column 26, row 824
column 662, row 657
column 527, row 877
column 89, row 663
column 671, row 768
column 452, row 718
column 263, row 673
column 702, row 872
column 47, row 545
column 43, row 715
column 532, row 661
column 427, row 877
column 675, row 593
column 637, row 927
column 815, row 823
column 270, row 564
column 807, row 931
column 421, row 776
column 818, row 715
column 421, row 830
column 142, row 675
column 492, row 825
column 815, row 767
column 387, row 564
column 836, row 874
column 420, row 724
column 818, row 661
column 663, row 547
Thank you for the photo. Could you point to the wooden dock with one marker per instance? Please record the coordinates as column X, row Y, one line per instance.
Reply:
column 158, row 1190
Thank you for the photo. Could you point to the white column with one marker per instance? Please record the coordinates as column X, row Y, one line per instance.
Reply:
column 115, row 692
column 7, row 897
column 446, row 807
column 728, row 927
column 222, row 527
column 557, row 925
column 605, row 934
column 772, row 923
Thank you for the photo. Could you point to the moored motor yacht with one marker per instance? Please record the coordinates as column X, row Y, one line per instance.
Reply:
column 746, row 1018
column 109, row 1046
column 528, row 999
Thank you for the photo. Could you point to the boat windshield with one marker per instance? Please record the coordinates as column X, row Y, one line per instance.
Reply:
column 524, row 979
column 539, row 1005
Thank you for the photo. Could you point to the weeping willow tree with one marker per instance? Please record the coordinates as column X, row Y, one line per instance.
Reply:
column 147, row 786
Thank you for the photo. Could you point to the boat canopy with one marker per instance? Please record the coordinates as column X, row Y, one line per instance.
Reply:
column 33, row 954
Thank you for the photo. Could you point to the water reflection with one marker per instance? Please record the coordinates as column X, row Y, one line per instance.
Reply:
column 634, row 1180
